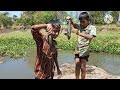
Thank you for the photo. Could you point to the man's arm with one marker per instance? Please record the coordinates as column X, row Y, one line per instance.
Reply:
column 82, row 34
column 40, row 26
column 85, row 36
column 76, row 26
column 37, row 35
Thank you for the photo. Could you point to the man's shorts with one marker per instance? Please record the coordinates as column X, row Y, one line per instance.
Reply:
column 81, row 58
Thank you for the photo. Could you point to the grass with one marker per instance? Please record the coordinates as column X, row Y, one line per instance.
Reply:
column 107, row 42
column 17, row 44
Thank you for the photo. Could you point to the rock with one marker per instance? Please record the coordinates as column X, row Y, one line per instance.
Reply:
column 2, row 60
column 93, row 72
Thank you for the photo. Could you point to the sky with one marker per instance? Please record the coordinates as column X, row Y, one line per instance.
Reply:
column 11, row 13
column 18, row 13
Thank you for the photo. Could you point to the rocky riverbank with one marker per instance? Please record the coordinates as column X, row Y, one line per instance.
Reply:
column 93, row 72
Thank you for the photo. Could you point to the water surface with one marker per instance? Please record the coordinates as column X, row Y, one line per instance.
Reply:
column 23, row 68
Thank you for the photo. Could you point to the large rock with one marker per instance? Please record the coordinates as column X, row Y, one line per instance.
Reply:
column 92, row 72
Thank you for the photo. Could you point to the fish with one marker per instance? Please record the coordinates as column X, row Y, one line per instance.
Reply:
column 69, row 30
column 50, row 40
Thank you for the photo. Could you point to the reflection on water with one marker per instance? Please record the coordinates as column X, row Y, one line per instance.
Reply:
column 24, row 68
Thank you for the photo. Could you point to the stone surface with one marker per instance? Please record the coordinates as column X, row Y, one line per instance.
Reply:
column 93, row 72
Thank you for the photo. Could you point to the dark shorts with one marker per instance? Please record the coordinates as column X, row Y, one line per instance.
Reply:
column 36, row 78
column 81, row 58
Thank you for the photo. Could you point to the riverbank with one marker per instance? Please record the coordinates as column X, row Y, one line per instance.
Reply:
column 93, row 72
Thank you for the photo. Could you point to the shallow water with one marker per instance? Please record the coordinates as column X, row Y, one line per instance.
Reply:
column 23, row 68
column 108, row 62
column 16, row 69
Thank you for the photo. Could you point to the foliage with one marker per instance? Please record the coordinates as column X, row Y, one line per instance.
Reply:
column 38, row 17
column 5, row 20
column 16, row 44
column 98, row 16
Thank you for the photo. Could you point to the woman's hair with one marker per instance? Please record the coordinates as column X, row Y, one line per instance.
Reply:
column 84, row 15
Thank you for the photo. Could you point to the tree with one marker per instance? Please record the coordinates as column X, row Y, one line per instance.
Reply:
column 38, row 17
column 61, row 15
column 115, row 15
column 5, row 20
column 97, row 17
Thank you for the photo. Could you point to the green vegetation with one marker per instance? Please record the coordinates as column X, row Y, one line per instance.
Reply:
column 38, row 17
column 29, row 18
column 5, row 20
column 64, row 43
column 107, row 42
column 98, row 17
column 16, row 44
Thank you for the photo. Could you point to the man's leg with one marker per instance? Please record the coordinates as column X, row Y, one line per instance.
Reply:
column 52, row 76
column 77, row 67
column 83, row 68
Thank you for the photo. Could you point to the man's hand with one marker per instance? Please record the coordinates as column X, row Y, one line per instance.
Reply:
column 68, row 18
column 49, row 28
column 75, row 31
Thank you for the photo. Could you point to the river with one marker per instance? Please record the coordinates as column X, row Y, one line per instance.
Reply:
column 23, row 68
